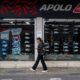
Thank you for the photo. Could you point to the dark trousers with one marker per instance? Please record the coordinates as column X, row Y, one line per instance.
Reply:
column 40, row 57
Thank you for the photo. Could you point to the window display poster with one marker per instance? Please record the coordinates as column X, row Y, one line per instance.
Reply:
column 16, row 41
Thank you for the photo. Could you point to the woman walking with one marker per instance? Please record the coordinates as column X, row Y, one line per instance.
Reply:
column 40, row 56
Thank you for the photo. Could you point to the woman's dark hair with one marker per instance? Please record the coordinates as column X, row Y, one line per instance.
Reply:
column 40, row 39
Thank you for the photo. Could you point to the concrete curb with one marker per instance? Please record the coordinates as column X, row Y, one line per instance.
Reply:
column 27, row 64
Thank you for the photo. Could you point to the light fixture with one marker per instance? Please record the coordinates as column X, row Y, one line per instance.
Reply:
column 28, row 23
column 11, row 22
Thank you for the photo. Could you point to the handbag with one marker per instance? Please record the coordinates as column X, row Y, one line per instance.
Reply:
column 44, row 51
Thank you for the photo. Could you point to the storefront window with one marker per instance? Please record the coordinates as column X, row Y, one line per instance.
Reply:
column 17, row 42
column 62, row 41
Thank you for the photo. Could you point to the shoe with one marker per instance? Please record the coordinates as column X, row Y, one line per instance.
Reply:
column 32, row 69
column 45, row 71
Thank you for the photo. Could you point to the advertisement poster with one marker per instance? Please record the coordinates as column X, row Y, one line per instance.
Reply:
column 16, row 41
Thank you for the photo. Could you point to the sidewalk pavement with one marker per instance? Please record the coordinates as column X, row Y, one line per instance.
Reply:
column 52, row 70
column 27, row 64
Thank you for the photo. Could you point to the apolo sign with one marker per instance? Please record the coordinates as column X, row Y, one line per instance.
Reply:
column 56, row 7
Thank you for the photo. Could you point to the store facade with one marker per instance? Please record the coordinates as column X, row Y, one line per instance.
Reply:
column 57, row 23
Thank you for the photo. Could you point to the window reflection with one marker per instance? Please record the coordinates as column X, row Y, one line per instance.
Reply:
column 62, row 39
column 17, row 43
